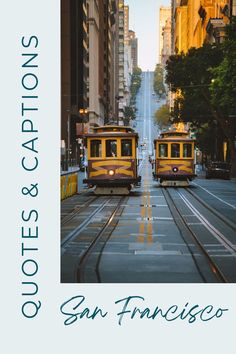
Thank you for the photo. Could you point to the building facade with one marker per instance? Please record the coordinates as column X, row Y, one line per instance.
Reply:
column 121, row 50
column 95, row 108
column 166, row 35
column 133, row 42
column 164, row 14
column 198, row 21
column 89, row 71
column 126, row 24
column 74, row 76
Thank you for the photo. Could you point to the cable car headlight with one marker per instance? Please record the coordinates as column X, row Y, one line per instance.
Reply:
column 175, row 169
column 111, row 172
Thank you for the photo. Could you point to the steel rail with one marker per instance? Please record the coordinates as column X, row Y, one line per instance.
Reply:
column 213, row 230
column 181, row 222
column 77, row 210
column 212, row 210
column 82, row 226
column 84, row 259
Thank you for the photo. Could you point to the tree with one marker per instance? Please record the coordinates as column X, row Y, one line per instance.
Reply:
column 190, row 76
column 129, row 113
column 135, row 84
column 158, row 82
column 223, row 89
column 162, row 116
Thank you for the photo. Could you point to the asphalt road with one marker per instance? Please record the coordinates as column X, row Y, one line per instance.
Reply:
column 147, row 103
column 172, row 235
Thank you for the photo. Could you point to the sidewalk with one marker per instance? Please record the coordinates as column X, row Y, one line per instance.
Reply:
column 70, row 169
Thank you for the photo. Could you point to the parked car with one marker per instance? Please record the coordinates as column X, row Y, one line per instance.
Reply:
column 218, row 169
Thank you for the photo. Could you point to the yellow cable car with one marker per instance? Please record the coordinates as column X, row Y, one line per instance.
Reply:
column 175, row 158
column 112, row 159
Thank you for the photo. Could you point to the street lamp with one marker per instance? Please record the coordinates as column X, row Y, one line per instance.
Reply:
column 83, row 111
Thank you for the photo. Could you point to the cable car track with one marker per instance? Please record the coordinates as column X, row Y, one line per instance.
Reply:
column 212, row 210
column 78, row 210
column 221, row 237
column 80, row 232
column 183, row 228
column 98, row 239
column 77, row 230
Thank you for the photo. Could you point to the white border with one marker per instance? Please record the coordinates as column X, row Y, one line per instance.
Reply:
column 46, row 332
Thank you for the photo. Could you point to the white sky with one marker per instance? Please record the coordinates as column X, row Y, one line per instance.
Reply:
column 144, row 20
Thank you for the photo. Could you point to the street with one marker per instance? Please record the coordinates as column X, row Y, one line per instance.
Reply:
column 154, row 235
column 147, row 103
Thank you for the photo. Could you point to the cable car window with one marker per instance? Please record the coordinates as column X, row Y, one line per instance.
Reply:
column 111, row 148
column 126, row 147
column 187, row 150
column 96, row 148
column 175, row 150
column 163, row 150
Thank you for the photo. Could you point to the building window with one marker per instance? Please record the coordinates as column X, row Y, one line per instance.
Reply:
column 96, row 148
column 163, row 150
column 111, row 148
column 175, row 150
column 126, row 147
column 187, row 150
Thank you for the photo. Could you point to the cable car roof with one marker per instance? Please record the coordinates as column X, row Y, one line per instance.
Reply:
column 175, row 135
column 112, row 130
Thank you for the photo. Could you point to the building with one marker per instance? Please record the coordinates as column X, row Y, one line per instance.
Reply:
column 126, row 24
column 166, row 35
column 164, row 14
column 121, row 49
column 133, row 42
column 198, row 21
column 107, row 55
column 103, row 73
column 174, row 5
column 89, row 71
column 96, row 67
column 74, row 76
column 180, row 25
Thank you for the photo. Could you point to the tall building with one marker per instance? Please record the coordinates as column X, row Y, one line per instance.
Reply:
column 198, row 21
column 74, row 76
column 102, row 17
column 126, row 24
column 114, row 18
column 133, row 42
column 174, row 4
column 166, row 35
column 89, row 70
column 108, row 22
column 121, row 87
column 164, row 14
column 95, row 108
column 180, row 25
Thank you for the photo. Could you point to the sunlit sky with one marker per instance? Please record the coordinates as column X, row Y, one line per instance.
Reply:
column 144, row 20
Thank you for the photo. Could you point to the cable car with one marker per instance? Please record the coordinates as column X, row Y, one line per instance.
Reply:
column 112, row 159
column 174, row 157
